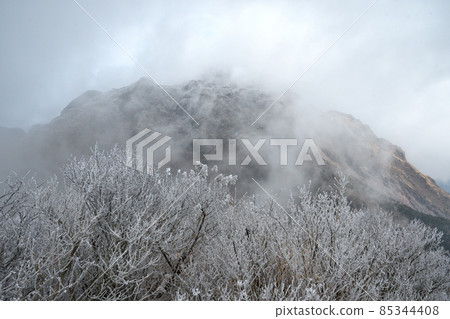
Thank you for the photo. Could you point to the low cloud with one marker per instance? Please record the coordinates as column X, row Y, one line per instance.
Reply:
column 391, row 69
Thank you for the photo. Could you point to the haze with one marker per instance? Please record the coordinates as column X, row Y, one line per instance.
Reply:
column 391, row 70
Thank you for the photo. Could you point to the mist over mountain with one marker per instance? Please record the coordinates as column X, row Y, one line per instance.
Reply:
column 378, row 170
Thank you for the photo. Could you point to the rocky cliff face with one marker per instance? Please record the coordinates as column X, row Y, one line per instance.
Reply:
column 378, row 170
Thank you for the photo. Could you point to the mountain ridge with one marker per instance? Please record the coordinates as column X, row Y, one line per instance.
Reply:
column 378, row 169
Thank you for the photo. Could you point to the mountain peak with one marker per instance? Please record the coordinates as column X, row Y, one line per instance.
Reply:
column 378, row 169
column 81, row 100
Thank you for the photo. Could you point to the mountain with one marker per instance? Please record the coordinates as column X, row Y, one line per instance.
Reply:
column 378, row 168
column 379, row 172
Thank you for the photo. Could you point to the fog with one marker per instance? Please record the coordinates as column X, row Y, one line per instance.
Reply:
column 390, row 70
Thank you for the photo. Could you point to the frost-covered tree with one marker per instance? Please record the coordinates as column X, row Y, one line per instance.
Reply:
column 320, row 249
column 104, row 231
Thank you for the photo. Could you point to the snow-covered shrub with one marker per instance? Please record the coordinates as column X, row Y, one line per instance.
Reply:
column 318, row 248
column 108, row 232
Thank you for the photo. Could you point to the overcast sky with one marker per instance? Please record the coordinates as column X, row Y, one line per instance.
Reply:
column 391, row 70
